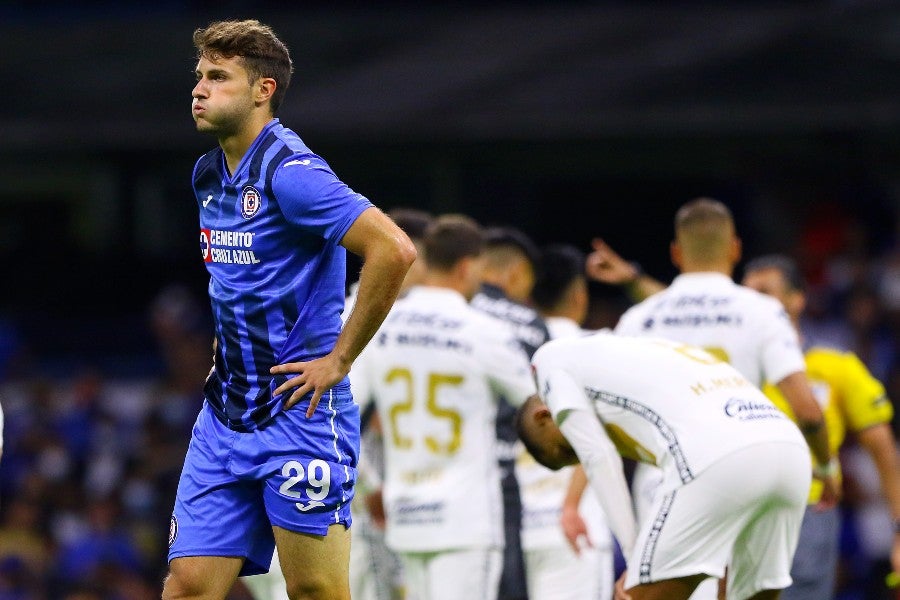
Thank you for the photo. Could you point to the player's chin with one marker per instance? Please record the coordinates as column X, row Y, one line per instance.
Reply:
column 203, row 124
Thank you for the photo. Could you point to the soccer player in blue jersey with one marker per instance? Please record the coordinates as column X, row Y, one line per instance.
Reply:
column 267, row 464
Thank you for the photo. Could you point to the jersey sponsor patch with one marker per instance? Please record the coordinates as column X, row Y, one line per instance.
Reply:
column 227, row 247
column 251, row 202
column 743, row 409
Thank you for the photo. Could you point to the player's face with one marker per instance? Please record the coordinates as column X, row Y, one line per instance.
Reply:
column 223, row 96
column 768, row 281
column 771, row 282
column 550, row 447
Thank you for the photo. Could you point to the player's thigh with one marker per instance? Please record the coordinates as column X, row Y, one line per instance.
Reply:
column 557, row 573
column 315, row 566
column 694, row 529
column 764, row 549
column 201, row 577
column 215, row 512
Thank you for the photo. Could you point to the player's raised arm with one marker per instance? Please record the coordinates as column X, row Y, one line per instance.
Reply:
column 606, row 266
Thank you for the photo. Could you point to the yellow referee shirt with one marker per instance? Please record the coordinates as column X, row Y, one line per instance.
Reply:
column 850, row 397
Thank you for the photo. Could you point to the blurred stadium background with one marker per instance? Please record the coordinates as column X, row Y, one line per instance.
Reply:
column 567, row 119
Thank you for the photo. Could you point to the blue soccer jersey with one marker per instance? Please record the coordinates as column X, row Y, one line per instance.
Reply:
column 269, row 235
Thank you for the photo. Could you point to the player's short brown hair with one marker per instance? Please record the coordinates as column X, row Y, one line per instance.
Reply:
column 262, row 53
column 449, row 239
column 703, row 227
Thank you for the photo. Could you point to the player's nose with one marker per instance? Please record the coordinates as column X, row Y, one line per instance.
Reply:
column 200, row 90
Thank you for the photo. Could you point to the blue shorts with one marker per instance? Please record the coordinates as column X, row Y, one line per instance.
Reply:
column 294, row 472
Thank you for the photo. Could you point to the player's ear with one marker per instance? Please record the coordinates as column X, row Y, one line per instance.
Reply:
column 796, row 302
column 675, row 253
column 265, row 87
column 736, row 250
column 542, row 414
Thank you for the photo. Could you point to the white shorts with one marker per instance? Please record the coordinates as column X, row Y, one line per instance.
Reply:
column 744, row 512
column 557, row 573
column 453, row 574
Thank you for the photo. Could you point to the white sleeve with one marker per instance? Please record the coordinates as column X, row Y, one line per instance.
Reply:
column 603, row 467
column 579, row 424
column 629, row 322
column 781, row 352
column 507, row 366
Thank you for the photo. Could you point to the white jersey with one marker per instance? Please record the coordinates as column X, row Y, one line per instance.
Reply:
column 659, row 402
column 747, row 329
column 543, row 490
column 435, row 370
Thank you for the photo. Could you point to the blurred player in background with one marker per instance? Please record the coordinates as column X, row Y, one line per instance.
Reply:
column 565, row 539
column 735, row 469
column 508, row 277
column 435, row 371
column 375, row 572
column 265, row 467
column 852, row 400
column 704, row 307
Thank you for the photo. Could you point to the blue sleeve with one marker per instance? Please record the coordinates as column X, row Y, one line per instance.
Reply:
column 313, row 198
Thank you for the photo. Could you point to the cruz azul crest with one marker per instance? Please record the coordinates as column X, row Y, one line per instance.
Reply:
column 251, row 202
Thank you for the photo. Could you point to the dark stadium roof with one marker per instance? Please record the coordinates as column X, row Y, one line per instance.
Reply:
column 94, row 79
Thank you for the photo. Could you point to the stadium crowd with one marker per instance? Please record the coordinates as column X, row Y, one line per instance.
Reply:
column 90, row 461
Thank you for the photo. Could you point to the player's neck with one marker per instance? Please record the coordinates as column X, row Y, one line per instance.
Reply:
column 235, row 146
column 723, row 268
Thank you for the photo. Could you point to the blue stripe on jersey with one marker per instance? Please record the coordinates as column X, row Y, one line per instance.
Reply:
column 257, row 349
column 276, row 269
column 256, row 164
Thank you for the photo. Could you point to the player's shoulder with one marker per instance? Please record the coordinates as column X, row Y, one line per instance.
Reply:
column 636, row 313
column 572, row 349
column 293, row 155
column 833, row 360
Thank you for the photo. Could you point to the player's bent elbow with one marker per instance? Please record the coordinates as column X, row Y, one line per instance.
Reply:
column 406, row 252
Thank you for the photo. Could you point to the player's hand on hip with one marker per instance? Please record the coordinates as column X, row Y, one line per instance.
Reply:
column 575, row 529
column 316, row 376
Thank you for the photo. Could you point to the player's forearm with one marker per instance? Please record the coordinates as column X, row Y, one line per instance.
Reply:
column 577, row 485
column 808, row 413
column 642, row 287
column 880, row 444
column 817, row 439
column 603, row 468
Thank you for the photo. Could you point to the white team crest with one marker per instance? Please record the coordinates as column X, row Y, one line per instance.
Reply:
column 251, row 202
column 173, row 530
